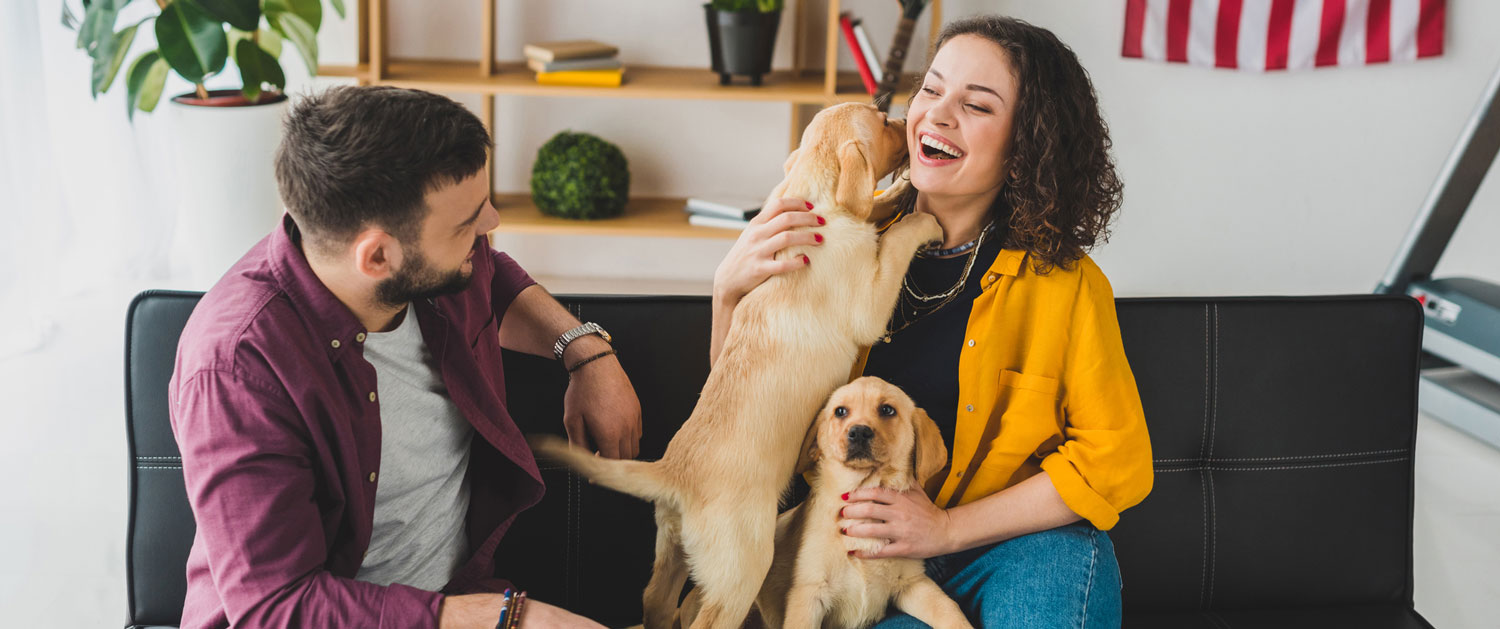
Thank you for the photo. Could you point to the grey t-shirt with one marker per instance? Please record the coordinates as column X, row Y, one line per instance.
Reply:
column 423, row 496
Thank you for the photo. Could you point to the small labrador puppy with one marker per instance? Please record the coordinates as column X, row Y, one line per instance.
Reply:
column 869, row 434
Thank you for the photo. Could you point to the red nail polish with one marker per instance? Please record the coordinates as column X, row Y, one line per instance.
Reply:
column 809, row 204
column 843, row 531
column 845, row 496
column 805, row 260
column 851, row 553
column 841, row 512
column 820, row 219
column 818, row 237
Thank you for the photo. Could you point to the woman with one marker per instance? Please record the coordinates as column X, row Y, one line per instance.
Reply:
column 1006, row 335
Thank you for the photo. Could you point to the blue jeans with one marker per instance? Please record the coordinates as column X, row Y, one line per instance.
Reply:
column 1064, row 577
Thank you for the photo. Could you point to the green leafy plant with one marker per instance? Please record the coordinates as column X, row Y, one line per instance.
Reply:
column 578, row 175
column 733, row 6
column 196, row 39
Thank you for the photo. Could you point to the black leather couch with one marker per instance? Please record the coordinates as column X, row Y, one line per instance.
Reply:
column 1283, row 431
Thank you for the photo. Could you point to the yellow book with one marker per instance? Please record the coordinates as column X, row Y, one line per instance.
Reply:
column 592, row 78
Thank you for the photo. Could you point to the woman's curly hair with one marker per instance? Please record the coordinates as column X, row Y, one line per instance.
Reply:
column 1061, row 189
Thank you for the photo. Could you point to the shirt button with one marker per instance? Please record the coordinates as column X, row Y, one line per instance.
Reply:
column 335, row 343
column 360, row 337
column 372, row 399
column 372, row 477
column 969, row 407
column 991, row 277
column 971, row 342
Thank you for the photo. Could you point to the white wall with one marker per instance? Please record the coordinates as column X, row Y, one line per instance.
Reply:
column 1236, row 183
column 1290, row 183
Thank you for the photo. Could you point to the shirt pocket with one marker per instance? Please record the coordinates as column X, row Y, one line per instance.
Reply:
column 1029, row 412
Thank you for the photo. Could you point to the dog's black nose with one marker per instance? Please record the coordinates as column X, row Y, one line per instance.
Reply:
column 861, row 433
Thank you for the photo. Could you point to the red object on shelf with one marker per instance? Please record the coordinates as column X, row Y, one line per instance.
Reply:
column 846, row 24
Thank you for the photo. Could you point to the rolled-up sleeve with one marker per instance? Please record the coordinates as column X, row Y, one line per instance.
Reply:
column 1104, row 464
column 508, row 281
column 250, row 480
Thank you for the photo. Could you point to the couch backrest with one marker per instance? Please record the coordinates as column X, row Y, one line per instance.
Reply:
column 160, row 529
column 1282, row 430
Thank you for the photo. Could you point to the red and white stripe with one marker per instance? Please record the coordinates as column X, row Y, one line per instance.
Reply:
column 1283, row 34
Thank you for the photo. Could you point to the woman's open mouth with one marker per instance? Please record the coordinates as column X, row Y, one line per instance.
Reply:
column 937, row 152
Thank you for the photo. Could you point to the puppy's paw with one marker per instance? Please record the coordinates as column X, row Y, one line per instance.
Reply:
column 922, row 229
column 548, row 446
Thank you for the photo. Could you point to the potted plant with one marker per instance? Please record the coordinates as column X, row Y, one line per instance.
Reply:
column 224, row 140
column 580, row 176
column 742, row 37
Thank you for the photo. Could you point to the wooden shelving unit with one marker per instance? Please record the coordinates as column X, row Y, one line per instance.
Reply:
column 805, row 91
column 661, row 218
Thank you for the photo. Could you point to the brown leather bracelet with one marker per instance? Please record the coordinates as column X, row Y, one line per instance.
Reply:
column 590, row 359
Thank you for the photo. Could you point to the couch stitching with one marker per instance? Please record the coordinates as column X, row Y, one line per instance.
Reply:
column 1203, row 582
column 1213, row 553
column 1203, row 442
column 157, row 467
column 1280, row 467
column 1203, row 474
column 1213, row 504
column 1285, row 458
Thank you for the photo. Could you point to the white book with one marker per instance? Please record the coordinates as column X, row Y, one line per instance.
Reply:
column 703, row 220
column 724, row 207
column 866, row 47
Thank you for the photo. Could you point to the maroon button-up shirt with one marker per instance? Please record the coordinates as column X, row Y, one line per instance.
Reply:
column 274, row 408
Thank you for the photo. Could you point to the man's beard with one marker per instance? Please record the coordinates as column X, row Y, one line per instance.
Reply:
column 417, row 280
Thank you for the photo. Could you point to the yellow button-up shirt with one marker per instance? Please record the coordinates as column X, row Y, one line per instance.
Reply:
column 1044, row 385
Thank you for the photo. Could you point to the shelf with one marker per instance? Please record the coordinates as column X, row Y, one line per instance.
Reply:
column 640, row 82
column 660, row 218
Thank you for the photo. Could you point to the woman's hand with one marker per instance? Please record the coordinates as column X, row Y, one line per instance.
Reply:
column 752, row 260
column 911, row 525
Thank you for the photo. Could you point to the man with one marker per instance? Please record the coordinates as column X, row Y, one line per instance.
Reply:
column 338, row 395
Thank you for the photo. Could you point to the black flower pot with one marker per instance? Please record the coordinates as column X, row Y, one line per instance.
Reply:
column 741, row 42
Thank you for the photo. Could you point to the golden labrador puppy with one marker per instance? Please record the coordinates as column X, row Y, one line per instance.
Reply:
column 793, row 339
column 870, row 434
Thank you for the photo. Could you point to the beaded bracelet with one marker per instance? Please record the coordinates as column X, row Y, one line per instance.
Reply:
column 589, row 360
column 520, row 606
column 505, row 608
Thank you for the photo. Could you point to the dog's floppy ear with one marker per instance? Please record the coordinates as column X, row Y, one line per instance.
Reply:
column 856, row 188
column 791, row 160
column 929, row 455
column 809, row 454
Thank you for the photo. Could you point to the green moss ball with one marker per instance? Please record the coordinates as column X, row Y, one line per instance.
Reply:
column 580, row 176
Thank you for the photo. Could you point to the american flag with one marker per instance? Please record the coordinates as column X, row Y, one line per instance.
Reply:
column 1283, row 34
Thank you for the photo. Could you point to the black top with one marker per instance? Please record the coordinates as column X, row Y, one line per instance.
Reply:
column 922, row 359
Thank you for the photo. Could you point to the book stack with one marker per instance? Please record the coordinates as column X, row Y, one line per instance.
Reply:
column 722, row 211
column 575, row 62
column 871, row 68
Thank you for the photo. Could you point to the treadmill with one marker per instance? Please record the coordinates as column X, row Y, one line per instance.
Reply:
column 1460, row 382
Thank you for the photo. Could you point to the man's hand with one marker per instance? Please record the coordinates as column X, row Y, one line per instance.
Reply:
column 600, row 402
column 482, row 611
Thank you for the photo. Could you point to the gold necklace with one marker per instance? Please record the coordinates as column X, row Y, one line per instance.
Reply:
column 922, row 305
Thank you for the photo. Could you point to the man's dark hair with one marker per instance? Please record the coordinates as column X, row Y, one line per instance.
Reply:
column 354, row 157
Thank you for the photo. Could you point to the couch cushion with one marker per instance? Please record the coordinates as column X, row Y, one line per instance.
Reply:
column 1362, row 617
